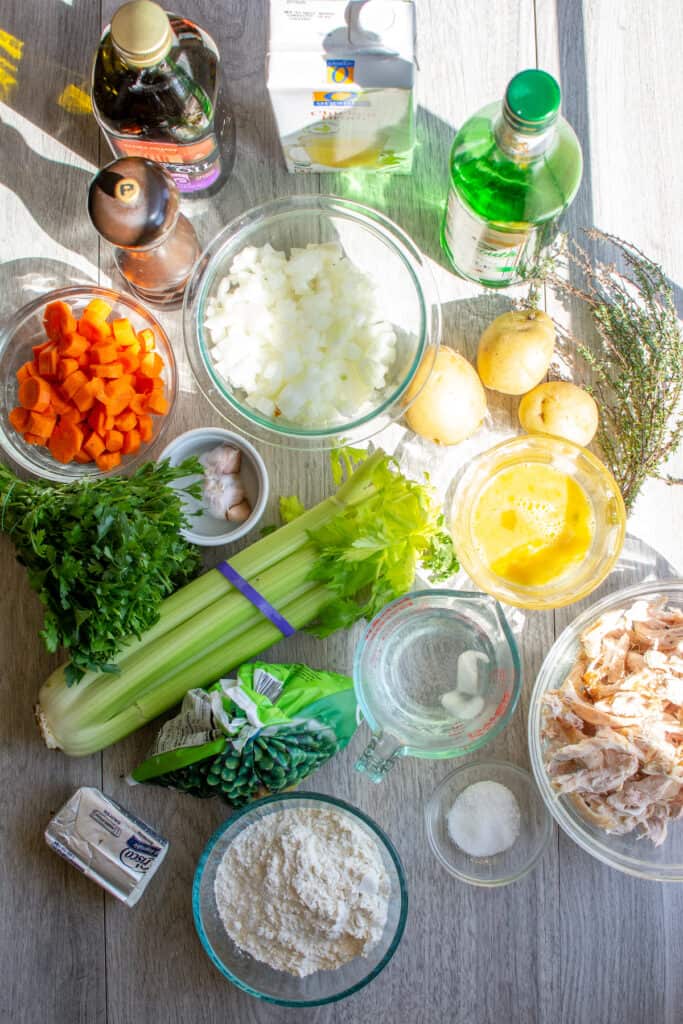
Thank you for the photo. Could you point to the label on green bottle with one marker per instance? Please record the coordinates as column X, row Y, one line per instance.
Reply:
column 486, row 252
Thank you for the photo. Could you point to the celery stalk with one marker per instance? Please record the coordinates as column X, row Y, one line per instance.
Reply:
column 329, row 567
column 82, row 739
column 270, row 551
column 205, row 629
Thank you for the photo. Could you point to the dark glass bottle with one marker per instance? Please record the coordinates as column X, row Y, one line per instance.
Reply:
column 155, row 95
column 134, row 204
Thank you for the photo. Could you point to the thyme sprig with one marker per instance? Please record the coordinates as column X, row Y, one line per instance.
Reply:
column 637, row 363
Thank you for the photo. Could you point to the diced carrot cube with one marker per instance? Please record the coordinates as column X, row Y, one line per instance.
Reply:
column 107, row 370
column 146, row 428
column 84, row 399
column 73, row 345
column 129, row 360
column 146, row 339
column 37, row 349
column 73, row 382
column 58, row 319
column 18, row 417
column 34, row 393
column 94, row 446
column 103, row 353
column 66, row 367
column 126, row 421
column 143, row 385
column 157, row 403
column 97, row 309
column 113, row 440
column 82, row 456
column 97, row 331
column 138, row 404
column 108, row 460
column 117, row 397
column 47, row 361
column 24, row 371
column 123, row 332
column 66, row 439
column 41, row 423
column 151, row 364
column 72, row 415
column 58, row 404
column 131, row 442
column 35, row 439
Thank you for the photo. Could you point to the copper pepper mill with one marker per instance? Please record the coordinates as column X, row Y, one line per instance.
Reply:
column 134, row 204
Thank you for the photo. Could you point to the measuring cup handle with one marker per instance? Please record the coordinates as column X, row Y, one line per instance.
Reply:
column 379, row 757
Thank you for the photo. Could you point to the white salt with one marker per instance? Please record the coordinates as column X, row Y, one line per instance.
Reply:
column 485, row 819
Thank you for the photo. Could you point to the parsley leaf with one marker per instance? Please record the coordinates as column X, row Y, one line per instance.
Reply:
column 101, row 554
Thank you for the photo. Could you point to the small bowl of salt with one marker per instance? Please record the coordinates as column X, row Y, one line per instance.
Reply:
column 487, row 823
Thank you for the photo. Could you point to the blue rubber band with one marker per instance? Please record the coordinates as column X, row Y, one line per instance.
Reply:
column 258, row 600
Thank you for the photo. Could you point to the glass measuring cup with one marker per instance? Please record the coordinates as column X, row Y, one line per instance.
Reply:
column 437, row 674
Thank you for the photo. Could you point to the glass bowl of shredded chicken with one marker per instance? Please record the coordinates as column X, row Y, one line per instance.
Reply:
column 306, row 320
column 606, row 730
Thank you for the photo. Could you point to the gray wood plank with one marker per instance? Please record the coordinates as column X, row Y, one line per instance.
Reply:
column 52, row 927
column 617, row 932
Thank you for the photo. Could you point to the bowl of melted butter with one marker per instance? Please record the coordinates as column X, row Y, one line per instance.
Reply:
column 537, row 521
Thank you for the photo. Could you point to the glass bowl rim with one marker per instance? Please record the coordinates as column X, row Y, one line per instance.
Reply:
column 282, row 208
column 522, row 773
column 335, row 802
column 131, row 302
column 521, row 595
column 553, row 801
column 499, row 724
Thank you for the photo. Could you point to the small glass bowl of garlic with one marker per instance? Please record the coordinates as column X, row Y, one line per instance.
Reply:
column 235, row 485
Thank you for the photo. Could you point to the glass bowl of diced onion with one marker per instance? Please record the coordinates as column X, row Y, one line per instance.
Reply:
column 306, row 320
column 25, row 330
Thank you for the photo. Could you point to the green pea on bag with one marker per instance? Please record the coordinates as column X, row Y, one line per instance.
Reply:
column 263, row 732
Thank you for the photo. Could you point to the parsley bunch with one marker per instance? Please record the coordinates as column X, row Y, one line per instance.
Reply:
column 101, row 555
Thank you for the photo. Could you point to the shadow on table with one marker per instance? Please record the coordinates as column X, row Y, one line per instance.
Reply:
column 47, row 188
column 23, row 280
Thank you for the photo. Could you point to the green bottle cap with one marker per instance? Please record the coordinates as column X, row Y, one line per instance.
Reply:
column 532, row 101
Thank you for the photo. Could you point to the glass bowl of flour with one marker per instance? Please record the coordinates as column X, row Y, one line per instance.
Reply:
column 300, row 900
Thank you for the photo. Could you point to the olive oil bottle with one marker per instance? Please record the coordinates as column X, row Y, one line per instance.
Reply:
column 515, row 167
column 155, row 95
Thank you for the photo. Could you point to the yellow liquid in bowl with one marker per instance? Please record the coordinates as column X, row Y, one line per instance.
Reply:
column 532, row 523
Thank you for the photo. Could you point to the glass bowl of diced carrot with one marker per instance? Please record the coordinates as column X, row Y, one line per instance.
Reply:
column 88, row 380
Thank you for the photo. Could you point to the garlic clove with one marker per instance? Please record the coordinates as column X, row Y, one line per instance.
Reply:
column 239, row 513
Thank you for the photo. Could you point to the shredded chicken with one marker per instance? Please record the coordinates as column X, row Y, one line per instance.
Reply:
column 613, row 732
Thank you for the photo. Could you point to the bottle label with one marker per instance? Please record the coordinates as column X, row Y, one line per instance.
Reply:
column 193, row 166
column 484, row 251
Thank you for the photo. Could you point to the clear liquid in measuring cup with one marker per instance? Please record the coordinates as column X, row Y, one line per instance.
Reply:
column 414, row 665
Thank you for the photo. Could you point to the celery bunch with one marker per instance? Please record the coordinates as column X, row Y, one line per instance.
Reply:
column 338, row 562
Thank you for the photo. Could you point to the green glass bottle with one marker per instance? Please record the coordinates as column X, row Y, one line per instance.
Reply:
column 515, row 167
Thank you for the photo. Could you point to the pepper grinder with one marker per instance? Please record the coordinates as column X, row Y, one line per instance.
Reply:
column 134, row 204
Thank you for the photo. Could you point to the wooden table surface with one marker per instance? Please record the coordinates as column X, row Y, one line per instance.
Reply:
column 574, row 941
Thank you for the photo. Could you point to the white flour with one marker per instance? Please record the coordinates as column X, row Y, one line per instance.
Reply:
column 303, row 890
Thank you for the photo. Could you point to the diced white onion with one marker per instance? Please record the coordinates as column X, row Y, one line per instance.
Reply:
column 300, row 335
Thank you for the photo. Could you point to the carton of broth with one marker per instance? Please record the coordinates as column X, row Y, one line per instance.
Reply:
column 341, row 77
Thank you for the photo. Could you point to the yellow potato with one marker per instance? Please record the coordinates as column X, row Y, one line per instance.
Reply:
column 515, row 351
column 452, row 403
column 561, row 409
